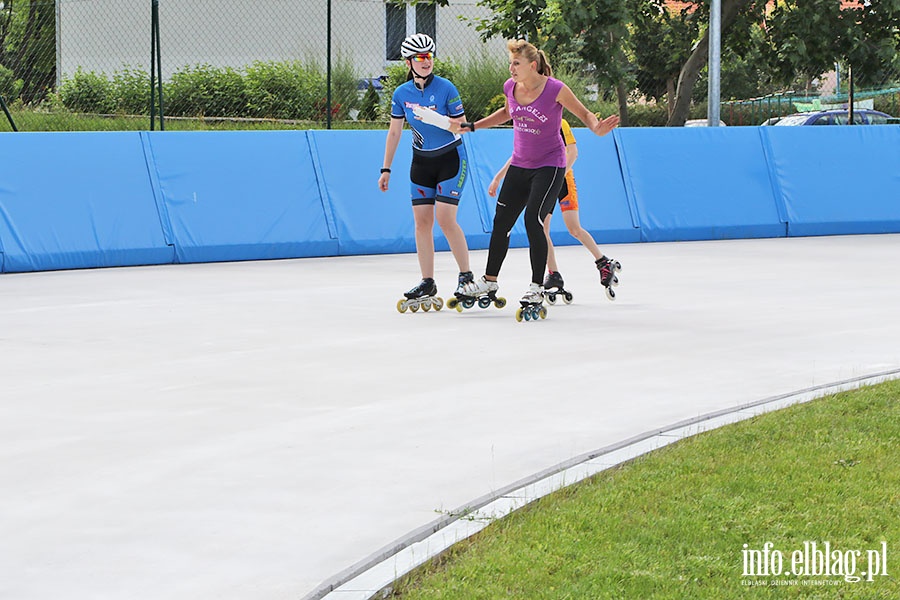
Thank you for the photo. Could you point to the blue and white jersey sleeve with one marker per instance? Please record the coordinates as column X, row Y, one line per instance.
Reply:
column 439, row 95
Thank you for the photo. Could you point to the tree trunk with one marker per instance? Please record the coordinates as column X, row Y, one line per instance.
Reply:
column 622, row 99
column 690, row 72
column 670, row 95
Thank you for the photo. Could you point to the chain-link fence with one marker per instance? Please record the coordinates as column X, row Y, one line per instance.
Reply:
column 85, row 64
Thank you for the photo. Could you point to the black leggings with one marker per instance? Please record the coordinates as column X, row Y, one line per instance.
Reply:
column 535, row 191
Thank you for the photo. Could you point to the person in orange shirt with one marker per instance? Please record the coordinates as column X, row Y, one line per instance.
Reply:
column 568, row 204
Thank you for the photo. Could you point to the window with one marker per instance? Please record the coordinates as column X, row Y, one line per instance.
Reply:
column 395, row 21
column 424, row 20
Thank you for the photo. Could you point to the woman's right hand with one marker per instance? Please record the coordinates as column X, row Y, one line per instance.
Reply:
column 383, row 181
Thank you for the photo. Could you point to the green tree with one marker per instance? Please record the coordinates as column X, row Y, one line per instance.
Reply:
column 808, row 36
column 27, row 45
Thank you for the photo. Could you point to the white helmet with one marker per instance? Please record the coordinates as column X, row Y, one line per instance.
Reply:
column 417, row 43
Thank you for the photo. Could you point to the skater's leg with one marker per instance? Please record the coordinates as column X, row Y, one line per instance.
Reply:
column 445, row 213
column 573, row 224
column 423, row 215
column 551, row 251
column 510, row 203
column 544, row 190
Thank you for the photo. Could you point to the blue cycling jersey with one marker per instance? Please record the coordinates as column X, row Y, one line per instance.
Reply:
column 439, row 95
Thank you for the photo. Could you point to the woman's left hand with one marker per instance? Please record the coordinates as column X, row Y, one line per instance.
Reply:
column 606, row 125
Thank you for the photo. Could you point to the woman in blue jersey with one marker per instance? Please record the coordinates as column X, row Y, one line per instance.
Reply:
column 439, row 165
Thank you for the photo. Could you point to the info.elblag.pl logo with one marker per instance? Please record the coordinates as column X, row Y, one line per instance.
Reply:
column 821, row 561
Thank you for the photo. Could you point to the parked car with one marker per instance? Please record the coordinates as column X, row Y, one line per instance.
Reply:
column 861, row 116
column 701, row 123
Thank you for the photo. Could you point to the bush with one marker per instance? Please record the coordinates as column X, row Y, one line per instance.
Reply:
column 87, row 92
column 131, row 90
column 205, row 91
column 344, row 94
column 10, row 87
column 368, row 110
column 285, row 90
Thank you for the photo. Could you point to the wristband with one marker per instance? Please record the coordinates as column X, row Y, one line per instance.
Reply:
column 470, row 126
column 385, row 170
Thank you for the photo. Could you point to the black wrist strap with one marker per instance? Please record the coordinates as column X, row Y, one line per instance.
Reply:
column 385, row 170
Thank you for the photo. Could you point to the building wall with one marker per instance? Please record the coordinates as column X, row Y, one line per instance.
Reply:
column 110, row 35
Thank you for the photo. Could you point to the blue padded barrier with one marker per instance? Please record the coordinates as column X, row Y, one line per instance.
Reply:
column 603, row 204
column 699, row 183
column 367, row 220
column 837, row 180
column 240, row 195
column 77, row 200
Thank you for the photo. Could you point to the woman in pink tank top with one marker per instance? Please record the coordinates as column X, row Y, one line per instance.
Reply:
column 534, row 102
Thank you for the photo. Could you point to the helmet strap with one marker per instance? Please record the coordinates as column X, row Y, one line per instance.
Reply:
column 420, row 80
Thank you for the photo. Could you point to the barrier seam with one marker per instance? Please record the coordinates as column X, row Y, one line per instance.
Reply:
column 628, row 181
column 324, row 198
column 777, row 192
column 156, row 187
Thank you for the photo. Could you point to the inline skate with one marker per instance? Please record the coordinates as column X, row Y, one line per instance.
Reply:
column 471, row 292
column 423, row 295
column 608, row 278
column 532, row 304
column 553, row 287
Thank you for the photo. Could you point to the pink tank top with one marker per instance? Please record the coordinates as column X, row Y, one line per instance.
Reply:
column 536, row 139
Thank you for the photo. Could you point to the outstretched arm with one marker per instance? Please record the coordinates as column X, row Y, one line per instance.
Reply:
column 574, row 106
column 498, row 117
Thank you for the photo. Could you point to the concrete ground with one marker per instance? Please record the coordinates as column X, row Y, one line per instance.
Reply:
column 247, row 430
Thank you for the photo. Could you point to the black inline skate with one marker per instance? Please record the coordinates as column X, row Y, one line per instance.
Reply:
column 608, row 278
column 553, row 287
column 470, row 292
column 423, row 295
column 532, row 304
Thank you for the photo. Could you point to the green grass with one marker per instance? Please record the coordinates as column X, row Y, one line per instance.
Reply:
column 673, row 524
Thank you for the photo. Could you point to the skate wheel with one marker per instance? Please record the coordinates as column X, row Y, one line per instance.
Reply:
column 519, row 315
column 618, row 266
column 426, row 306
column 414, row 307
column 468, row 302
column 452, row 302
column 484, row 302
column 610, row 293
column 568, row 298
column 542, row 311
column 551, row 298
column 438, row 303
column 615, row 280
column 401, row 306
column 500, row 302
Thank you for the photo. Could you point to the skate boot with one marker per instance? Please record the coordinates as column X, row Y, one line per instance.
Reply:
column 553, row 287
column 608, row 278
column 480, row 291
column 423, row 295
column 465, row 278
column 532, row 304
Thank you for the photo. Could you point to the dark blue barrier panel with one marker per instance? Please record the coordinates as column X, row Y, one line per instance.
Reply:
column 837, row 180
column 699, row 183
column 240, row 195
column 367, row 220
column 77, row 200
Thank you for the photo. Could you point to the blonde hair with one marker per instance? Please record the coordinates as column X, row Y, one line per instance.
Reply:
column 526, row 50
